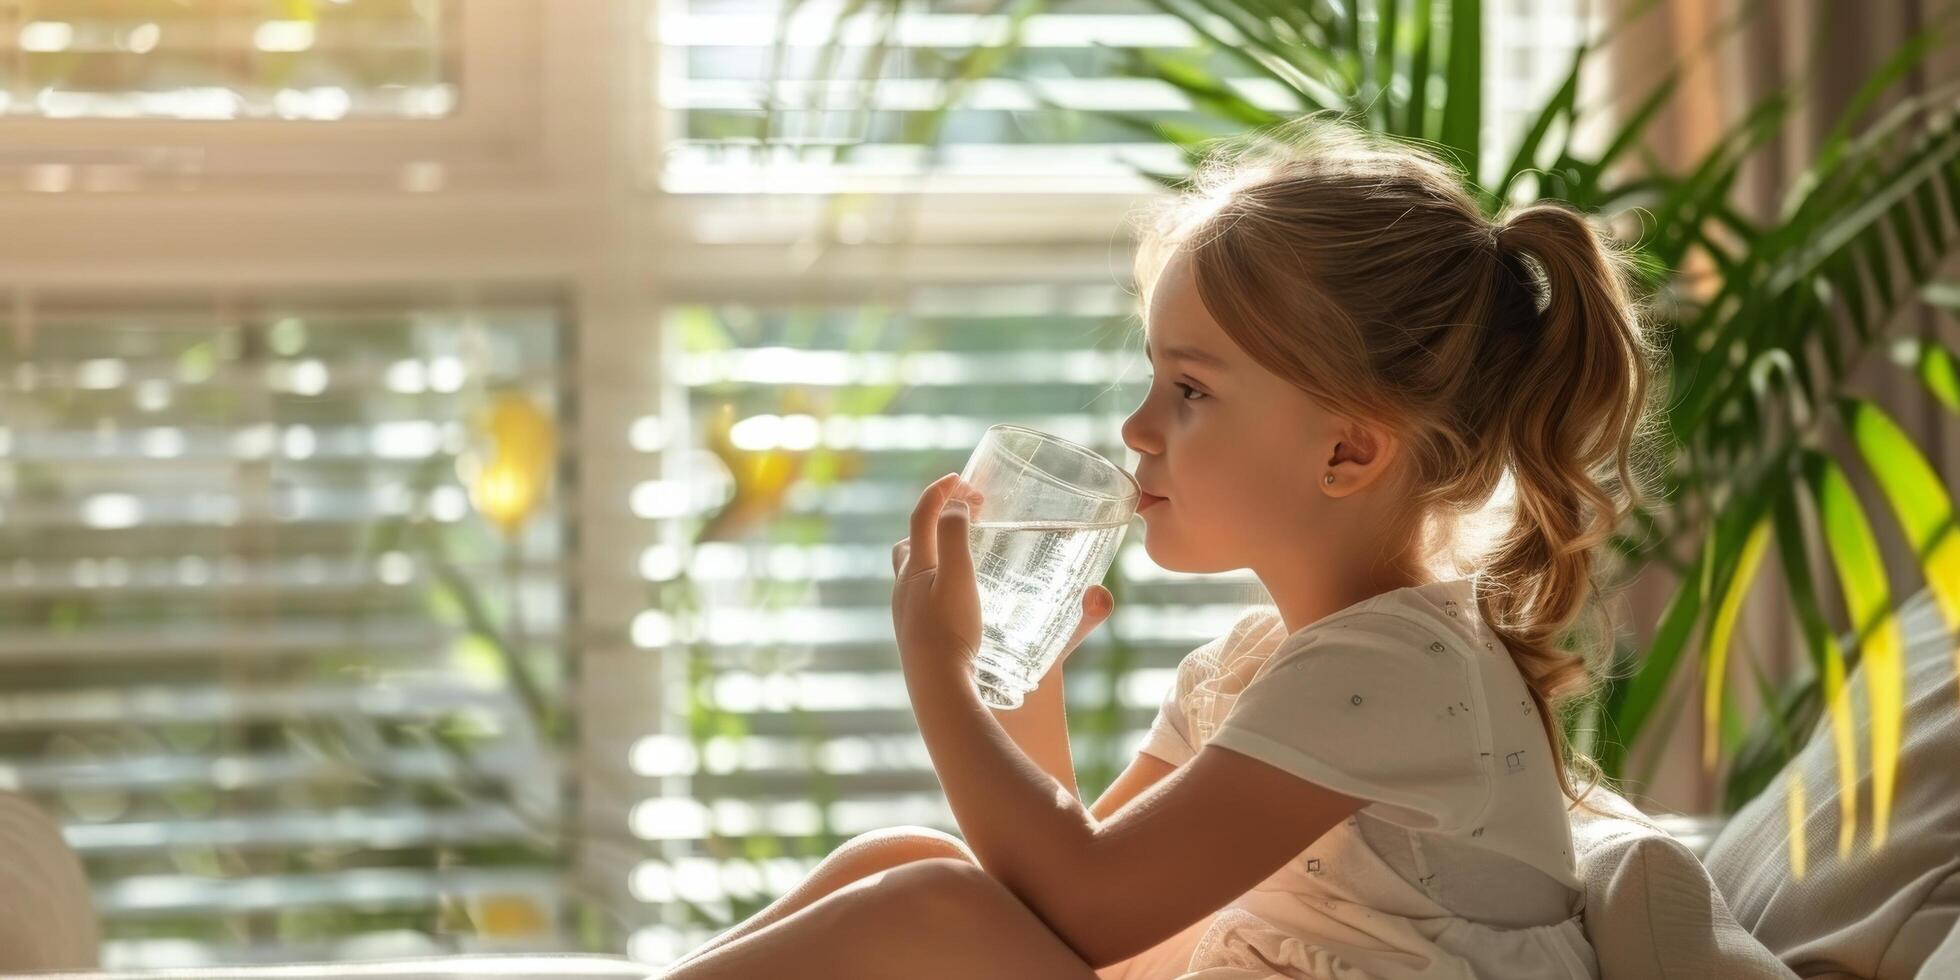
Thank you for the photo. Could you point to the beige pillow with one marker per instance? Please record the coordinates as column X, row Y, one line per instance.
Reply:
column 1945, row 961
column 1877, row 915
column 1651, row 911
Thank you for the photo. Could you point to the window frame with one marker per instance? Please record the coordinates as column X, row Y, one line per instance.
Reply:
column 491, row 132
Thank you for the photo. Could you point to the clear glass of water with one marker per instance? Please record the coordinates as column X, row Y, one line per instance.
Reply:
column 1048, row 526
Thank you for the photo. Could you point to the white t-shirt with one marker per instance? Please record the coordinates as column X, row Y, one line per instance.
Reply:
column 1460, row 867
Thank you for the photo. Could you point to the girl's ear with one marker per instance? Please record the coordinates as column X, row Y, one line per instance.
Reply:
column 1362, row 455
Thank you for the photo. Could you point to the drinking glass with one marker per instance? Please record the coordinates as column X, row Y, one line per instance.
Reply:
column 1052, row 516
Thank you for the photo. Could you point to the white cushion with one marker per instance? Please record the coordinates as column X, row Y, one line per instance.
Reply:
column 1877, row 914
column 1651, row 911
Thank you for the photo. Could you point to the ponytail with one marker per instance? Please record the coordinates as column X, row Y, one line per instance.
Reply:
column 1578, row 374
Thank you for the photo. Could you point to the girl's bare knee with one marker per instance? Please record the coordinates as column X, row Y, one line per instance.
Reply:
column 892, row 846
column 962, row 907
column 937, row 887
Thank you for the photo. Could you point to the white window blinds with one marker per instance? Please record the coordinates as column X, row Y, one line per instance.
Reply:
column 262, row 657
column 229, row 59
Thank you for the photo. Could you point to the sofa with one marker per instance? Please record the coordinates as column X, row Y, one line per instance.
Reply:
column 1655, row 909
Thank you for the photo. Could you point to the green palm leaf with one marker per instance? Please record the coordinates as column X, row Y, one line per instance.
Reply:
column 1463, row 105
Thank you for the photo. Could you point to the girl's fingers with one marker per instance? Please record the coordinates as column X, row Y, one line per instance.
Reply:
column 925, row 520
column 1096, row 607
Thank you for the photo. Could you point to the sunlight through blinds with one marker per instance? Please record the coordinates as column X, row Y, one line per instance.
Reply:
column 264, row 657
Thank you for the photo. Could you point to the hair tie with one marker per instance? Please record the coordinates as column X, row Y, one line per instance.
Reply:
column 1501, row 235
column 1514, row 284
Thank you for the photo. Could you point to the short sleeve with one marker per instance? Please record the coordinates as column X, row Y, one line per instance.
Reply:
column 1172, row 736
column 1380, row 707
column 1169, row 737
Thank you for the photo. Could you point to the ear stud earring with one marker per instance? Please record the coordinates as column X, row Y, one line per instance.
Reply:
column 1329, row 478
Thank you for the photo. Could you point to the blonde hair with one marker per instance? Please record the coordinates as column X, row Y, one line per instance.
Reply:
column 1504, row 354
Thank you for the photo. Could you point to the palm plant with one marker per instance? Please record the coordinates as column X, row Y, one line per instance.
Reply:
column 1761, row 353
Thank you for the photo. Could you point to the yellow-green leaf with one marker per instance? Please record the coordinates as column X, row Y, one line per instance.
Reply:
column 1793, row 811
column 1937, row 372
column 1828, row 660
column 1721, row 629
column 1917, row 496
column 1867, row 597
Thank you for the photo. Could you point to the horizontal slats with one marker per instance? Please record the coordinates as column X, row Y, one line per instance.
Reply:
column 1167, row 625
column 157, row 895
column 992, row 370
column 168, row 388
column 215, row 60
column 198, row 449
column 230, row 647
column 817, row 25
column 861, row 659
column 1032, row 127
column 359, row 942
column 404, row 699
column 868, row 721
column 342, row 579
column 834, row 134
column 378, row 828
column 287, row 638
column 258, row 770
column 825, row 694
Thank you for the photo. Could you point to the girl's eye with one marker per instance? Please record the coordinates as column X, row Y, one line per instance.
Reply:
column 1188, row 390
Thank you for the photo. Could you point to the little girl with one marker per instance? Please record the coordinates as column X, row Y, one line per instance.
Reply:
column 1353, row 368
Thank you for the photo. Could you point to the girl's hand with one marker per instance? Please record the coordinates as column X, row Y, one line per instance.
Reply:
column 935, row 599
column 1097, row 604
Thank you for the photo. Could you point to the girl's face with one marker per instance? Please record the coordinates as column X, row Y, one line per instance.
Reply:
column 1237, row 453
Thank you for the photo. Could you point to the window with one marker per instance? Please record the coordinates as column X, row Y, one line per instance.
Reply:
column 829, row 132
column 264, row 656
column 415, row 95
column 1528, row 53
column 824, row 102
column 229, row 59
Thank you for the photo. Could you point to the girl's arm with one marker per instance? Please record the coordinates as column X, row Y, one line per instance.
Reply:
column 1213, row 829
column 1040, row 728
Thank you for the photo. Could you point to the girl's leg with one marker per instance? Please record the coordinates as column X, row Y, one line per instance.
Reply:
column 861, row 856
column 944, row 918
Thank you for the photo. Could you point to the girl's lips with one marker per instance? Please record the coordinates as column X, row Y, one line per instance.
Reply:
column 1146, row 501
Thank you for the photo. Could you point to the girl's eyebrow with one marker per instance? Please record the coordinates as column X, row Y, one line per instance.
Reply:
column 1191, row 354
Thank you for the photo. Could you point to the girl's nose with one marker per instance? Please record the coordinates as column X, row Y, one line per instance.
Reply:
column 1137, row 435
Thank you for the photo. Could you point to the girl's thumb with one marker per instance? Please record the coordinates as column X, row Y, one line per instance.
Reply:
column 1097, row 601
